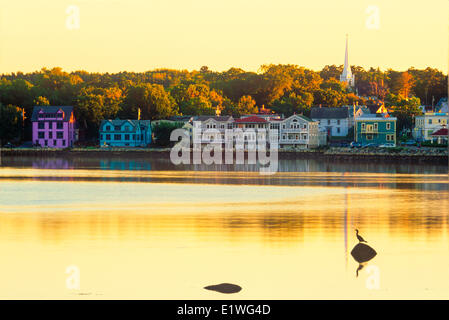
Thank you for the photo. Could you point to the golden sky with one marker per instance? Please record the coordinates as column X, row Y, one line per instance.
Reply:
column 139, row 35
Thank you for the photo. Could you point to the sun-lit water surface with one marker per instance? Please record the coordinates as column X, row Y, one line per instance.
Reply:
column 165, row 234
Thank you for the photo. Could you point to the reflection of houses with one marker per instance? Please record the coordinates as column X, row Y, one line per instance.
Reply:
column 125, row 133
column 333, row 121
column 429, row 123
column 375, row 128
column 299, row 131
column 54, row 127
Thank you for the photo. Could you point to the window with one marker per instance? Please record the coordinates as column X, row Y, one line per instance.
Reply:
column 54, row 142
column 338, row 122
column 108, row 137
column 108, row 128
column 369, row 137
column 41, row 135
column 59, row 125
column 63, row 143
column 430, row 121
column 117, row 137
column 375, row 126
column 127, row 129
column 116, row 128
column 126, row 136
column 50, row 135
column 328, row 122
column 363, row 126
column 46, row 142
column 41, row 125
column 59, row 135
column 338, row 130
column 388, row 125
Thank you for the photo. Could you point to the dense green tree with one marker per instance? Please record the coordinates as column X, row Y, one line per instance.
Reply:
column 405, row 109
column 162, row 132
column 152, row 100
column 10, row 123
column 160, row 93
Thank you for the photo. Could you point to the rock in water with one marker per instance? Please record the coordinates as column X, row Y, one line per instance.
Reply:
column 363, row 253
column 224, row 288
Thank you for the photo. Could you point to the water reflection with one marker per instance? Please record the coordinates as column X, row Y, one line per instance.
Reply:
column 161, row 162
column 167, row 233
column 362, row 253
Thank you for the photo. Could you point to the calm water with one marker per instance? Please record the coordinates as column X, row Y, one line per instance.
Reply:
column 143, row 228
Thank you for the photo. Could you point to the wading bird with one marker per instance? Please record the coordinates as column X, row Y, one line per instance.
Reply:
column 359, row 237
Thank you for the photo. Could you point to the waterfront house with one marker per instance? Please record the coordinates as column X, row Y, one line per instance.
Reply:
column 334, row 121
column 217, row 126
column 54, row 126
column 256, row 128
column 428, row 123
column 299, row 131
column 125, row 133
column 375, row 128
column 440, row 136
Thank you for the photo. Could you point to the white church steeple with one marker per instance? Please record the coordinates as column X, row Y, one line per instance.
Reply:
column 347, row 75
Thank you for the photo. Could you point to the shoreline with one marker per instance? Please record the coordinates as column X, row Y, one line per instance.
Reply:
column 432, row 155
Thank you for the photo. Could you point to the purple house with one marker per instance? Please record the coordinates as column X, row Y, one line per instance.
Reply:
column 54, row 127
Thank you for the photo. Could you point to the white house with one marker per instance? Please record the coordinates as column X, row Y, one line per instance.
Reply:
column 334, row 121
column 211, row 128
column 429, row 123
column 299, row 131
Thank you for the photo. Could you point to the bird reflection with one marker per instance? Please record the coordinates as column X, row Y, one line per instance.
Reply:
column 362, row 253
column 360, row 267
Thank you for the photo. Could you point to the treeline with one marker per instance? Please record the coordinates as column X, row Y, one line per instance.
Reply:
column 284, row 89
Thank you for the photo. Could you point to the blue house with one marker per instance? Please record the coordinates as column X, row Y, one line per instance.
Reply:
column 375, row 128
column 125, row 133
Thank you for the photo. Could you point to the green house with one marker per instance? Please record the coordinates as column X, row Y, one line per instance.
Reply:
column 375, row 128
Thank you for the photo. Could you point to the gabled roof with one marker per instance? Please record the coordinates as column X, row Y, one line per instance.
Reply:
column 52, row 109
column 180, row 118
column 329, row 113
column 299, row 116
column 216, row 118
column 120, row 122
column 441, row 132
column 252, row 119
column 376, row 116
